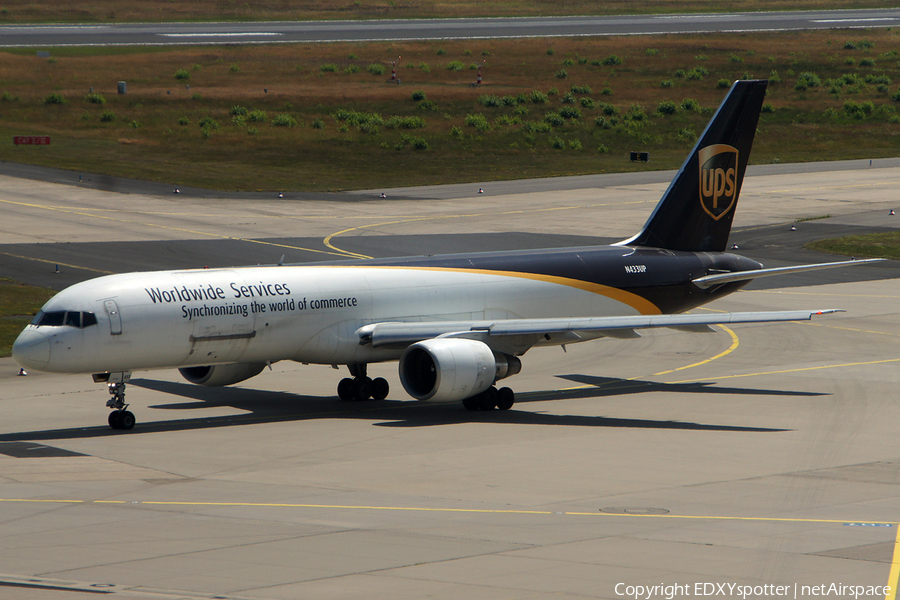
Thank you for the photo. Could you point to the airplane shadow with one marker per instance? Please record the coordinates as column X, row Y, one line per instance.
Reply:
column 270, row 407
column 614, row 386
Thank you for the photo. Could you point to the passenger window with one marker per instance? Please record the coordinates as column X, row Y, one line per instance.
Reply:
column 88, row 319
column 73, row 319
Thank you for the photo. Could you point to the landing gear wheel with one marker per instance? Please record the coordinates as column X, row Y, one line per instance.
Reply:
column 126, row 420
column 505, row 398
column 380, row 388
column 345, row 389
column 121, row 419
column 487, row 399
column 471, row 403
column 362, row 389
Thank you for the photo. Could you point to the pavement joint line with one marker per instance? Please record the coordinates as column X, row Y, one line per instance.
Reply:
column 599, row 513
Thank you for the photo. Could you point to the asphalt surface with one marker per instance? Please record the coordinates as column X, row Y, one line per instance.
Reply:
column 764, row 455
column 55, row 35
column 759, row 455
column 58, row 265
column 774, row 246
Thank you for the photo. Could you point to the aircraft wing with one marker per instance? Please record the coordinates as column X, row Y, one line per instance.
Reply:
column 709, row 281
column 382, row 334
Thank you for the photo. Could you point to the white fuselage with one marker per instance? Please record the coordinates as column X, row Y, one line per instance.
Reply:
column 307, row 314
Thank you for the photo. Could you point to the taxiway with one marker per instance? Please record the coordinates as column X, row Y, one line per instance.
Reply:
column 760, row 454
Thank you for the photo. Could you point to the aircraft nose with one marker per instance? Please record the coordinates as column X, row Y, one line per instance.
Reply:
column 31, row 350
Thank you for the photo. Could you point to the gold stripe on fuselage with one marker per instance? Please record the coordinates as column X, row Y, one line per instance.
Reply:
column 640, row 304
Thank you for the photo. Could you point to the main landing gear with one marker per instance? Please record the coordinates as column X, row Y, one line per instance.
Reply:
column 362, row 387
column 490, row 399
column 119, row 418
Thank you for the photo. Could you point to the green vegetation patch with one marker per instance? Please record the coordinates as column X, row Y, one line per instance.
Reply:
column 18, row 305
column 123, row 11
column 282, row 122
column 872, row 245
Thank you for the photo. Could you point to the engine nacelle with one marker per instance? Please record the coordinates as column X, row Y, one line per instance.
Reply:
column 219, row 375
column 452, row 369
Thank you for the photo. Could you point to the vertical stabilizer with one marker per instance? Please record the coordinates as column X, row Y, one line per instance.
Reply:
column 696, row 211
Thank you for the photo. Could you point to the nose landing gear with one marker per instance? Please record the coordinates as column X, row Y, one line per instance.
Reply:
column 119, row 418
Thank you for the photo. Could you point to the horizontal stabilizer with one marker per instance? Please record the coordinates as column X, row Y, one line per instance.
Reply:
column 709, row 281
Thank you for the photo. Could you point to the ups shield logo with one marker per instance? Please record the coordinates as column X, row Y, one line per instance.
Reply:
column 718, row 179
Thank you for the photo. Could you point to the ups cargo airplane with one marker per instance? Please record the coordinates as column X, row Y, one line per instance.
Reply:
column 456, row 323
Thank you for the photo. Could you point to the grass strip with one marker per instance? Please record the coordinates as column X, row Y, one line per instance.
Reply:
column 324, row 117
column 872, row 245
column 18, row 304
column 124, row 11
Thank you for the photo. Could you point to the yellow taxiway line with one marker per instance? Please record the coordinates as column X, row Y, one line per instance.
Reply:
column 486, row 511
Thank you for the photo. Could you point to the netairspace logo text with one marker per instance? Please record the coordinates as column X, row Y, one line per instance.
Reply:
column 735, row 590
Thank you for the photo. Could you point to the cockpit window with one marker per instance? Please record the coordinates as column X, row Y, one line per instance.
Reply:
column 58, row 318
column 52, row 319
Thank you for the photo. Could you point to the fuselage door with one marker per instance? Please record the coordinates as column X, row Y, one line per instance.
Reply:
column 115, row 319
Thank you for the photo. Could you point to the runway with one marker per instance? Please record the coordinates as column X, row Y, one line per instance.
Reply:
column 756, row 455
column 179, row 34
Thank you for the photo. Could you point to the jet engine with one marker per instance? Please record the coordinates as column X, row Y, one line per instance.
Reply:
column 451, row 369
column 219, row 375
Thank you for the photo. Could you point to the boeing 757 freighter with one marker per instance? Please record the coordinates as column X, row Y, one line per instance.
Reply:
column 456, row 323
